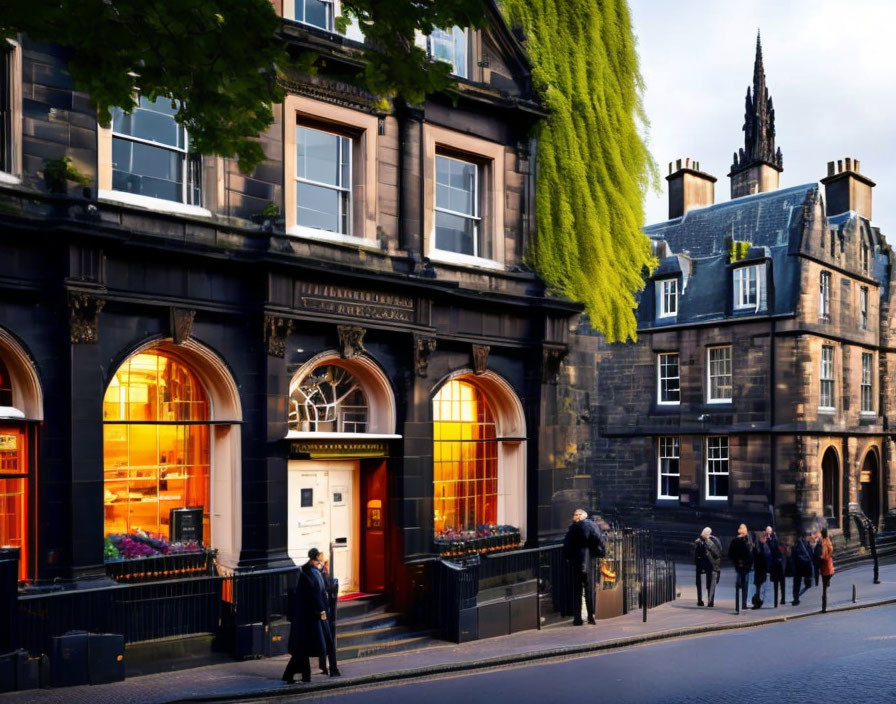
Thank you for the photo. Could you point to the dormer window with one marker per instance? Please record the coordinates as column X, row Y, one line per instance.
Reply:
column 449, row 45
column 746, row 287
column 667, row 295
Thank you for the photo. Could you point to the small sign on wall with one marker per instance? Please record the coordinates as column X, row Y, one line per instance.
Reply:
column 186, row 524
column 307, row 500
column 9, row 442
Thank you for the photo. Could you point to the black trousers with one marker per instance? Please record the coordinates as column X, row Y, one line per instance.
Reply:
column 801, row 576
column 743, row 583
column 778, row 584
column 300, row 664
column 580, row 584
column 712, row 579
column 331, row 650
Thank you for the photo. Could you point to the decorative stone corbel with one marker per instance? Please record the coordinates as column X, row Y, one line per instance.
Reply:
column 84, row 311
column 276, row 330
column 181, row 324
column 480, row 358
column 424, row 346
column 351, row 341
column 552, row 357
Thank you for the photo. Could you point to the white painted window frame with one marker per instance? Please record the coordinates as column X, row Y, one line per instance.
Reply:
column 710, row 376
column 826, row 386
column 666, row 445
column 660, row 378
column 713, row 462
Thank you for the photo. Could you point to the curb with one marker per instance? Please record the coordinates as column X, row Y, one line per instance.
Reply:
column 518, row 658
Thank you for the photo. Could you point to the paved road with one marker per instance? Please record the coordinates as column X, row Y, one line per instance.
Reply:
column 848, row 657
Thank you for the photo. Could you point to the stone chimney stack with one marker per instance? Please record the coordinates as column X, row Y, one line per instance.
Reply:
column 689, row 187
column 846, row 189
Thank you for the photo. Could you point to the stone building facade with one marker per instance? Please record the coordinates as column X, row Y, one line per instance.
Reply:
column 758, row 389
column 305, row 369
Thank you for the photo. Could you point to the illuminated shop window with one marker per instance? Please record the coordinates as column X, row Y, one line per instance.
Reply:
column 329, row 399
column 14, row 490
column 465, row 461
column 155, row 445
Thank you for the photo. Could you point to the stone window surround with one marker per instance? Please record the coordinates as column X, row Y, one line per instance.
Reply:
column 490, row 157
column 709, row 397
column 659, row 379
column 870, row 412
column 13, row 177
column 727, row 473
column 659, row 465
column 832, row 378
column 364, row 130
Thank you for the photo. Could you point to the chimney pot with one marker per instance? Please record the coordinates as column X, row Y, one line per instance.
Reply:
column 848, row 163
column 839, row 166
column 847, row 190
column 689, row 187
column 855, row 164
column 830, row 168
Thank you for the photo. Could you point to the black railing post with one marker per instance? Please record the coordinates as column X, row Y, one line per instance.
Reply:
column 873, row 543
column 9, row 595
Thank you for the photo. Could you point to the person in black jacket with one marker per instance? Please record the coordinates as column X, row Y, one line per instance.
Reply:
column 308, row 618
column 762, row 558
column 708, row 561
column 740, row 552
column 801, row 563
column 583, row 541
column 776, row 564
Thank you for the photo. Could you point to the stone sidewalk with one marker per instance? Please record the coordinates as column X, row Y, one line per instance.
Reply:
column 260, row 678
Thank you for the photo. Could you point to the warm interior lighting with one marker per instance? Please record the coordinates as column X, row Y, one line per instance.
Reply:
column 465, row 460
column 151, row 468
column 14, row 493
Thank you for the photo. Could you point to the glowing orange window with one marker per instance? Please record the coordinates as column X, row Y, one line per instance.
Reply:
column 465, row 461
column 14, row 493
column 155, row 445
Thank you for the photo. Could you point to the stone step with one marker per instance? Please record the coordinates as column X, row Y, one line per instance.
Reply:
column 412, row 641
column 354, row 608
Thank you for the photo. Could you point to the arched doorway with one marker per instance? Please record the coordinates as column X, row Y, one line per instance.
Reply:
column 869, row 487
column 21, row 409
column 341, row 422
column 171, row 442
column 830, row 487
column 479, row 469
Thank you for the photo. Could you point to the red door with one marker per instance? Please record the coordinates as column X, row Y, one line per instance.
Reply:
column 374, row 527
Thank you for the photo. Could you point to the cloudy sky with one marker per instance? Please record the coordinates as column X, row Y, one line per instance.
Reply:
column 830, row 66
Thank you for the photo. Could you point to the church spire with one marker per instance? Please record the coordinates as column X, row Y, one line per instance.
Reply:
column 759, row 123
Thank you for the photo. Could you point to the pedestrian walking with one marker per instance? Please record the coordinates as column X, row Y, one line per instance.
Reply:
column 308, row 633
column 801, row 564
column 762, row 559
column 815, row 542
column 583, row 542
column 740, row 552
column 826, row 566
column 708, row 562
column 332, row 587
column 776, row 564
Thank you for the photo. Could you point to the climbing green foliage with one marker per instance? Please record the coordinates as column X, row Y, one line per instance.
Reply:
column 593, row 166
column 738, row 250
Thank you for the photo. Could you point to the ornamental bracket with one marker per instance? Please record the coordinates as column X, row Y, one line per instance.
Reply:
column 424, row 346
column 351, row 341
column 181, row 324
column 552, row 357
column 480, row 358
column 276, row 330
column 84, row 311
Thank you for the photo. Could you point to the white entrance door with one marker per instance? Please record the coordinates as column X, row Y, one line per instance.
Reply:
column 322, row 513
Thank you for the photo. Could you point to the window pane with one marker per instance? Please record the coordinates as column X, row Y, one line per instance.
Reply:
column 460, row 52
column 322, row 208
column 151, row 120
column 456, row 185
column 315, row 12
column 455, row 233
column 147, row 170
column 317, row 156
column 6, row 144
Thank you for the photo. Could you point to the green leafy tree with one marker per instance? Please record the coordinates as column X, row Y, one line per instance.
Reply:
column 593, row 166
column 220, row 59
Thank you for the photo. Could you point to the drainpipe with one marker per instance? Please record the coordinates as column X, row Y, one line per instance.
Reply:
column 773, row 439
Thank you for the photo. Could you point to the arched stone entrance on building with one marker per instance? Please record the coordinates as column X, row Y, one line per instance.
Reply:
column 830, row 487
column 479, row 455
column 869, row 486
column 341, row 425
column 21, row 411
column 188, row 443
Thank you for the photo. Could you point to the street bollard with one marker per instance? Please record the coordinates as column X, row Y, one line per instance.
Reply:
column 853, row 593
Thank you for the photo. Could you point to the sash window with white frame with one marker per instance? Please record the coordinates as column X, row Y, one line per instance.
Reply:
column 448, row 45
column 824, row 296
column 863, row 307
column 717, row 467
column 826, row 390
column 718, row 369
column 7, row 145
column 746, row 287
column 317, row 13
column 668, row 381
column 668, row 458
column 151, row 154
column 323, row 180
column 867, row 383
column 458, row 224
column 668, row 298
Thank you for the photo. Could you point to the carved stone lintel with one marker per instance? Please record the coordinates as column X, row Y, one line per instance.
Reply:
column 551, row 360
column 424, row 346
column 181, row 324
column 84, row 311
column 480, row 358
column 276, row 330
column 351, row 341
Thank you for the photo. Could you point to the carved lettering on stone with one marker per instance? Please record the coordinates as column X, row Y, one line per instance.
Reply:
column 551, row 361
column 181, row 324
column 480, row 358
column 351, row 341
column 276, row 330
column 424, row 346
column 84, row 311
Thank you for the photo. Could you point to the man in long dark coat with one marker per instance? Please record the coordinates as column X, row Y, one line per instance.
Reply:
column 583, row 540
column 308, row 617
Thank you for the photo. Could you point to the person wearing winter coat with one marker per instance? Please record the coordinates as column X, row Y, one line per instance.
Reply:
column 740, row 552
column 762, row 559
column 583, row 541
column 309, row 635
column 815, row 542
column 776, row 564
column 801, row 563
column 707, row 561
column 826, row 563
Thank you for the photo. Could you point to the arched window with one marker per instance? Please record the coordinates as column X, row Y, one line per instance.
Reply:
column 156, row 445
column 465, row 460
column 830, row 489
column 329, row 399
